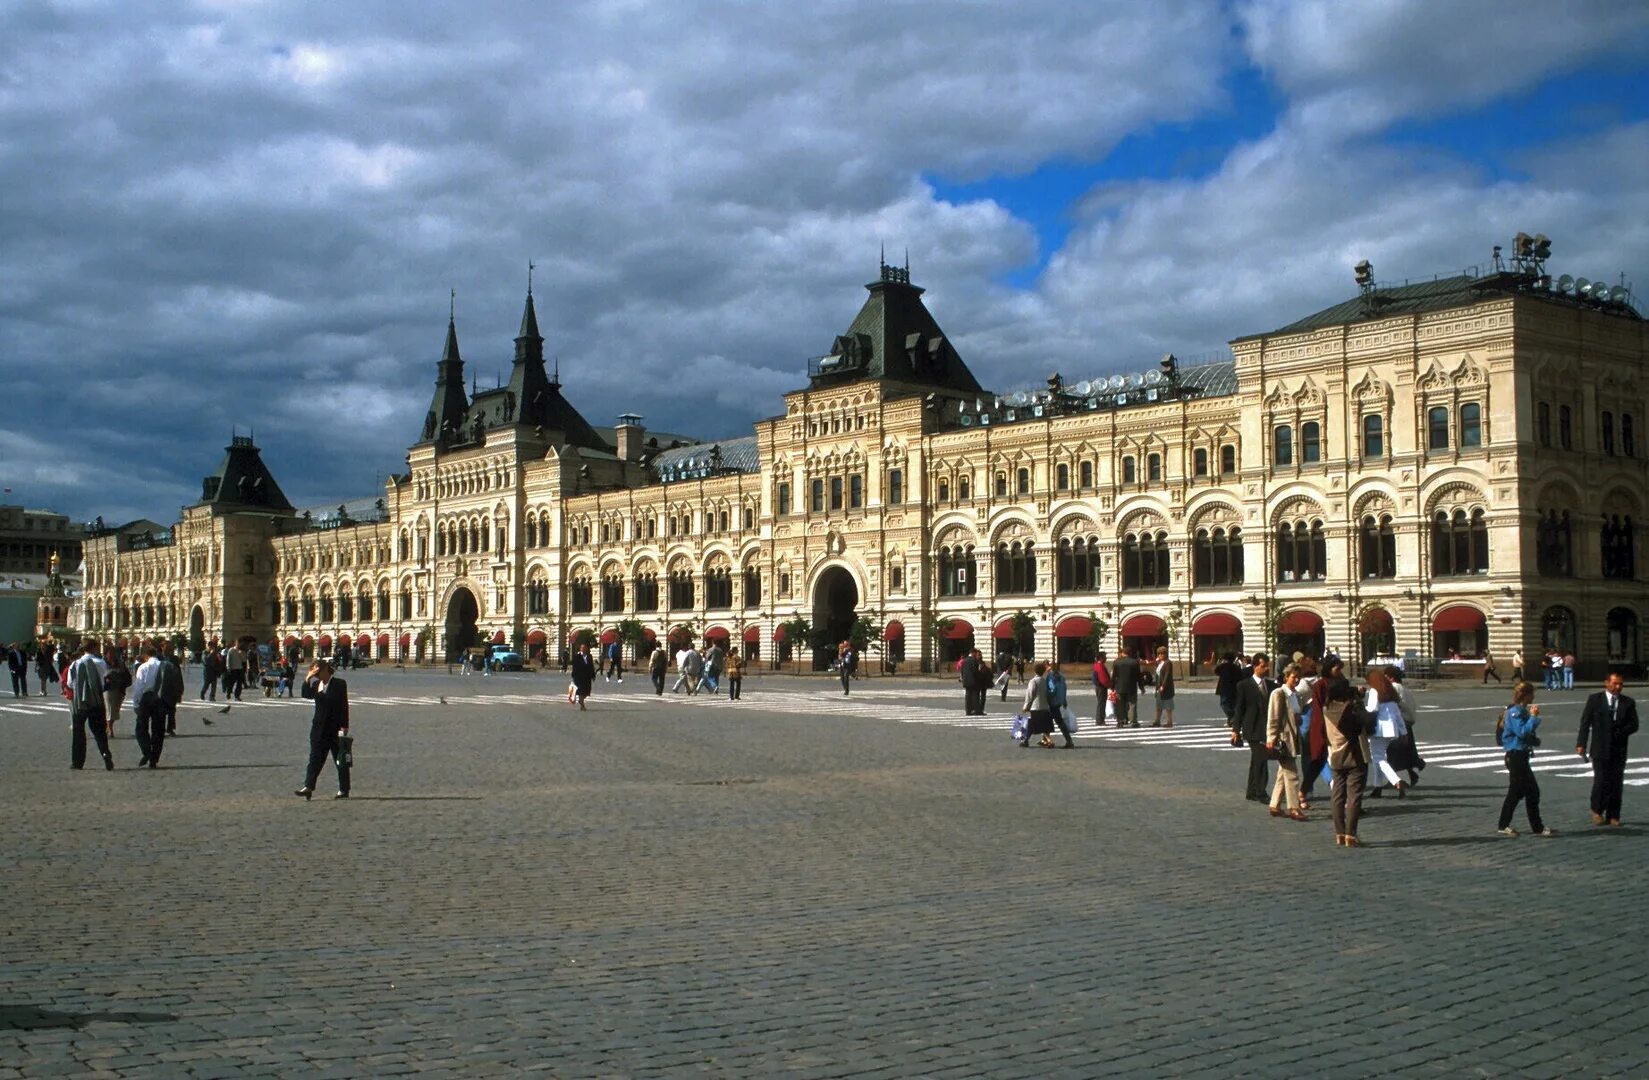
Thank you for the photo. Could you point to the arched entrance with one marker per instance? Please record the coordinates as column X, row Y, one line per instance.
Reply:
column 834, row 598
column 462, row 611
column 197, row 631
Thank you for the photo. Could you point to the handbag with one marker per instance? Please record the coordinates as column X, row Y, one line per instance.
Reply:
column 1070, row 718
column 346, row 751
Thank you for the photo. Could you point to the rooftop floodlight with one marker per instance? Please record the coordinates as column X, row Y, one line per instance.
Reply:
column 1365, row 273
column 1542, row 246
column 1169, row 365
column 1523, row 246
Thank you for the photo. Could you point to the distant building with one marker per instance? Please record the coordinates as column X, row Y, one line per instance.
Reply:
column 1427, row 468
column 28, row 538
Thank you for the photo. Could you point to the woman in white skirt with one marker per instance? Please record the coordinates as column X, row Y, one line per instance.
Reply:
column 1388, row 725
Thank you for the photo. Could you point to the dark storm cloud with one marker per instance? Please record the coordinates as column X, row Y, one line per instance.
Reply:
column 236, row 213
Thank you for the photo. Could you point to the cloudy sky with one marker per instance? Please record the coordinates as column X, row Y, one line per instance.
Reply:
column 232, row 213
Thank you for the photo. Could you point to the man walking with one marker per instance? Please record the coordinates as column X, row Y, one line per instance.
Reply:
column 85, row 677
column 715, row 659
column 1610, row 718
column 209, row 664
column 1489, row 668
column 234, row 671
column 615, row 661
column 19, row 665
column 1128, row 682
column 849, row 664
column 973, row 685
column 329, row 724
column 656, row 665
column 171, row 688
column 151, row 717
column 1253, row 694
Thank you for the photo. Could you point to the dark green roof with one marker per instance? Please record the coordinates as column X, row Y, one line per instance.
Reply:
column 894, row 336
column 242, row 481
column 1441, row 294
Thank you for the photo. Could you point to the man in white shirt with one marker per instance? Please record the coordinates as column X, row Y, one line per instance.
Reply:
column 86, row 677
column 234, row 671
column 151, row 715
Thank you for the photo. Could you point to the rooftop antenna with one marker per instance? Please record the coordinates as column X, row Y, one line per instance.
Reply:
column 452, row 305
column 556, row 380
column 907, row 258
column 529, row 276
column 497, row 379
column 882, row 258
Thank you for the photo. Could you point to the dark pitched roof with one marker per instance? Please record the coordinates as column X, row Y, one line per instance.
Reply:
column 242, row 481
column 894, row 336
column 1414, row 298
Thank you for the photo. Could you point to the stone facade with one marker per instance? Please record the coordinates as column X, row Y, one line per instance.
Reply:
column 1423, row 469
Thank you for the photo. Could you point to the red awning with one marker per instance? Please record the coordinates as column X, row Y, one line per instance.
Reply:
column 537, row 637
column 607, row 636
column 308, row 640
column 1142, row 626
column 1077, row 626
column 752, row 635
column 291, row 640
column 363, row 641
column 647, row 634
column 1300, row 622
column 326, row 641
column 778, row 632
column 716, row 633
column 383, row 641
column 1217, row 624
column 406, row 641
column 1003, row 628
column 498, row 637
column 893, row 631
column 1459, row 617
column 960, row 630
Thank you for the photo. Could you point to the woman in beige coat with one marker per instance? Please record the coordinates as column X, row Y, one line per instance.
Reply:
column 1282, row 737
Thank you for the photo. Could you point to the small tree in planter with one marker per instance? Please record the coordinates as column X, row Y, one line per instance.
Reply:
column 1023, row 628
column 631, row 633
column 1269, row 622
column 1098, row 631
column 420, row 643
column 938, row 632
column 582, row 636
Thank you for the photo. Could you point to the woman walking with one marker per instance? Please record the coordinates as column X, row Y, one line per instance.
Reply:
column 1313, row 693
column 1282, row 738
column 1347, row 757
column 1165, row 689
column 583, row 674
column 1104, row 687
column 115, row 684
column 735, row 674
column 1517, row 738
column 1041, row 711
column 1388, row 727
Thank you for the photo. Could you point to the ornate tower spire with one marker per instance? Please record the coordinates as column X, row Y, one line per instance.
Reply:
column 449, row 405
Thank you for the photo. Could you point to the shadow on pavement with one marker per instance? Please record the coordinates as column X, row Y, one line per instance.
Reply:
column 34, row 1018
column 1437, row 841
column 180, row 768
column 415, row 798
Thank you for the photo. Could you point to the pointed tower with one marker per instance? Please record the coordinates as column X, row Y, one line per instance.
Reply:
column 535, row 398
column 450, row 404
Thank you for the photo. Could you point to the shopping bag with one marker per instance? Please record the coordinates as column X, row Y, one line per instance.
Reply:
column 1111, row 707
column 1019, row 724
column 1070, row 718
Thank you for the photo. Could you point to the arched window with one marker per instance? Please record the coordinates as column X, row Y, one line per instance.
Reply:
column 646, row 591
column 962, row 488
column 1471, row 425
column 1145, row 561
column 1078, row 569
column 1606, row 428
column 1619, row 559
column 1062, row 476
column 582, row 599
column 752, row 588
column 1128, row 470
column 1543, row 423
column 538, row 594
column 1554, row 544
column 944, row 491
column 1023, row 479
column 612, row 592
column 1283, row 441
column 1086, row 472
column 1216, row 557
column 718, row 587
column 1460, row 543
column 1628, row 443
column 1302, row 551
column 1374, row 435
column 1015, row 569
column 681, row 589
column 1199, row 462
column 1565, row 428
column 1311, row 442
column 1228, row 460
column 1153, row 467
column 957, row 571
column 1377, row 547
column 1001, row 484
column 1437, row 429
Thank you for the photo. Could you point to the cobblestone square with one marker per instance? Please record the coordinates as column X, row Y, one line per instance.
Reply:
column 796, row 884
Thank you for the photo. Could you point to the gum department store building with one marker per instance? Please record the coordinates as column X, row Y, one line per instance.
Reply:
column 1426, row 469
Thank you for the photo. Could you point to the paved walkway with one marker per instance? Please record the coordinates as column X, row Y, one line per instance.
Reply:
column 792, row 885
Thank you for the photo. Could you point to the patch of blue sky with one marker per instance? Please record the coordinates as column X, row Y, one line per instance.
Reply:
column 1045, row 196
column 1565, row 107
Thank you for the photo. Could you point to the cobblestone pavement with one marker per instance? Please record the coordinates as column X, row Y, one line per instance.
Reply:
column 793, row 885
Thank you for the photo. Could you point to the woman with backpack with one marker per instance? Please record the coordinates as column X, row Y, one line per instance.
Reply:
column 1517, row 737
column 1344, row 725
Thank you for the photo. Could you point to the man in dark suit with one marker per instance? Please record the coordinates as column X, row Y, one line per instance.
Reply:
column 1249, row 718
column 973, row 685
column 19, row 665
column 331, row 722
column 1126, row 675
column 1609, row 718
